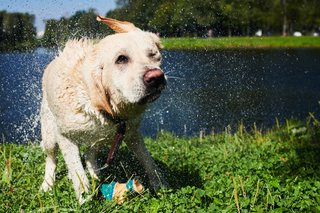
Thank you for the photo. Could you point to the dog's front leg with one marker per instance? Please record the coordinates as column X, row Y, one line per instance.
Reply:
column 136, row 144
column 71, row 155
column 91, row 160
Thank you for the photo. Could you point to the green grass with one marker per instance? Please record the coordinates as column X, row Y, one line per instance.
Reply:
column 247, row 171
column 241, row 42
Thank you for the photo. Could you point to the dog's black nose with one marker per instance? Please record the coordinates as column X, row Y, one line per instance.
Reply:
column 154, row 78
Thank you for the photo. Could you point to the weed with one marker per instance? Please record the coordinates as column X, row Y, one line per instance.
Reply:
column 7, row 172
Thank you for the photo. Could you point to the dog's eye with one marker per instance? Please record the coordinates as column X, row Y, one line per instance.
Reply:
column 155, row 56
column 122, row 59
column 152, row 54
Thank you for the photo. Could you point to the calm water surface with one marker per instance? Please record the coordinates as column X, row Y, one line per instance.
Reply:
column 207, row 90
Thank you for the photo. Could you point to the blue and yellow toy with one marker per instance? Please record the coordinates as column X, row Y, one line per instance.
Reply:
column 117, row 191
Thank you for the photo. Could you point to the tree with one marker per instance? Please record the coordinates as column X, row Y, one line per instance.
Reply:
column 284, row 23
column 17, row 31
column 81, row 24
column 225, row 17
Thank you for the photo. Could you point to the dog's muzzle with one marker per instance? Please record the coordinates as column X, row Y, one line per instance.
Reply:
column 154, row 78
column 155, row 82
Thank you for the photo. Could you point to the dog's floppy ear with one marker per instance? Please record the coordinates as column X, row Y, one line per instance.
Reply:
column 99, row 96
column 118, row 26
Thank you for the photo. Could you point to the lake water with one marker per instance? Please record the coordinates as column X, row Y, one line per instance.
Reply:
column 207, row 90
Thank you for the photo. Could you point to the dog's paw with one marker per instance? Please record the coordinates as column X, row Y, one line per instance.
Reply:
column 93, row 173
column 85, row 197
column 82, row 200
column 46, row 186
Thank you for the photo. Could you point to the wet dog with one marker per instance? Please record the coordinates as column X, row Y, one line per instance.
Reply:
column 88, row 88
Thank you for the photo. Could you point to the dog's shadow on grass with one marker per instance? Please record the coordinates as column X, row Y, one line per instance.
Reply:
column 306, row 162
column 126, row 165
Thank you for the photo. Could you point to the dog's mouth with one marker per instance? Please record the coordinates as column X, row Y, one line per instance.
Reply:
column 154, row 81
column 150, row 97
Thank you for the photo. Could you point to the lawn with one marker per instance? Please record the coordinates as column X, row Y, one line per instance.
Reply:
column 244, row 170
column 241, row 42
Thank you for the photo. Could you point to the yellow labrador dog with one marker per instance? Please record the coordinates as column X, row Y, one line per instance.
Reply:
column 87, row 88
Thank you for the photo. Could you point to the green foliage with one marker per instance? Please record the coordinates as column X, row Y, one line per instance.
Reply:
column 224, row 17
column 81, row 24
column 187, row 18
column 17, row 31
column 247, row 171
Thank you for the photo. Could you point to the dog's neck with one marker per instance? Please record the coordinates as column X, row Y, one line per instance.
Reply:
column 113, row 118
column 117, row 140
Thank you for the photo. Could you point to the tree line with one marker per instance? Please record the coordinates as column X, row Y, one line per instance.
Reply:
column 17, row 31
column 81, row 24
column 222, row 17
column 170, row 18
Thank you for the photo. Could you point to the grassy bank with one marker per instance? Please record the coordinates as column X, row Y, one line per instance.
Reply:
column 241, row 42
column 278, row 171
column 208, row 43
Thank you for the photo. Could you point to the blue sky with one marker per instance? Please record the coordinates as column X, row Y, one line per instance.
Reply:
column 46, row 9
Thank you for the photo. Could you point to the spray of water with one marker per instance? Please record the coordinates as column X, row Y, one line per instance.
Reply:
column 219, row 89
column 21, row 95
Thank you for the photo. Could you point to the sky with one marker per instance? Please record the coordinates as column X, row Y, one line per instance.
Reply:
column 48, row 9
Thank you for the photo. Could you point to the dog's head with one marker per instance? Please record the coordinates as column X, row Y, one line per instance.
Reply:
column 128, row 69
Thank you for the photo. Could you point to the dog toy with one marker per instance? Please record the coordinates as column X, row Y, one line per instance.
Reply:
column 117, row 191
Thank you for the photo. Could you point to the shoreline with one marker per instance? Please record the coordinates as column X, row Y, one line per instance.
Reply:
column 196, row 43
column 240, row 43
